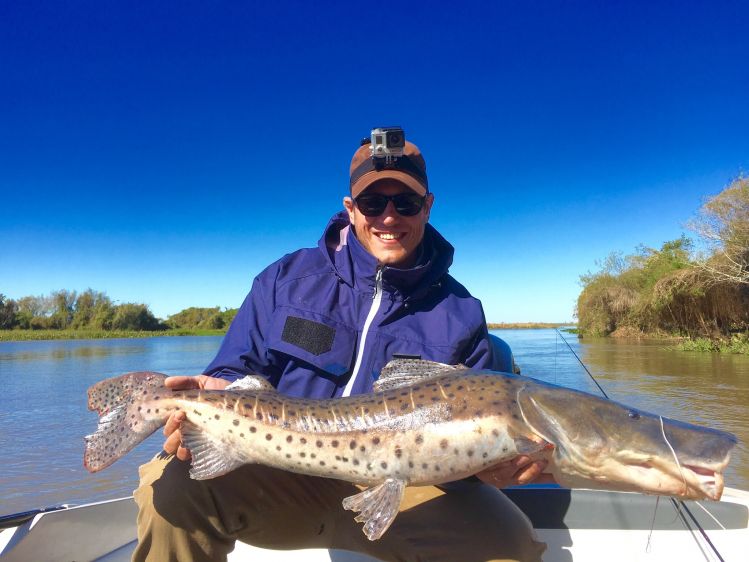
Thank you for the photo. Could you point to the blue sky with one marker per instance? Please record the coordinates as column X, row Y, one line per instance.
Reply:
column 165, row 152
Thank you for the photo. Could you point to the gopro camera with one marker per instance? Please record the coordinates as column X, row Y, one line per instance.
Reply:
column 387, row 143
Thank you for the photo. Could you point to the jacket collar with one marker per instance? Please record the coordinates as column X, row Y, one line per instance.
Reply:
column 358, row 268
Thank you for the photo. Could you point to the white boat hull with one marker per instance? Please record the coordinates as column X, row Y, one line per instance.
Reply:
column 579, row 525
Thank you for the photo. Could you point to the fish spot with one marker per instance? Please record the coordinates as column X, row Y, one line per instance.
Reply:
column 424, row 465
column 419, row 439
column 302, row 454
column 235, row 422
column 278, row 447
column 241, row 435
column 302, row 440
column 288, row 455
column 356, row 462
column 322, row 463
column 318, row 443
column 268, row 437
column 217, row 417
column 398, row 452
column 334, row 443
column 469, row 452
column 289, row 438
column 495, row 432
column 253, row 429
column 375, row 440
column 443, row 444
column 383, row 464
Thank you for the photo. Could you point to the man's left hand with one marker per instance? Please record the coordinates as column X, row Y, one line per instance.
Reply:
column 516, row 472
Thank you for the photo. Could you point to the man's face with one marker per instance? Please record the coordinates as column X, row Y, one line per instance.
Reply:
column 390, row 237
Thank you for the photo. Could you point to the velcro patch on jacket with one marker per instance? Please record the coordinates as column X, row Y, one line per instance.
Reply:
column 311, row 336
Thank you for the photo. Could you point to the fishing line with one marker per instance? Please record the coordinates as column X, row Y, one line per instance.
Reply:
column 652, row 524
column 717, row 521
column 679, row 505
column 678, row 464
column 581, row 363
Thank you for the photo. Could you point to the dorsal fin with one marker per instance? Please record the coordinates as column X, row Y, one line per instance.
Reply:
column 251, row 382
column 404, row 372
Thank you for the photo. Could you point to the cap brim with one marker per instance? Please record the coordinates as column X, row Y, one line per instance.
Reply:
column 374, row 176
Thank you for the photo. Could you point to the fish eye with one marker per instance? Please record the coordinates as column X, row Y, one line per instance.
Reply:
column 633, row 415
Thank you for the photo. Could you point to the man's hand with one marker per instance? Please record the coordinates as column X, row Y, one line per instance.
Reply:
column 173, row 443
column 516, row 472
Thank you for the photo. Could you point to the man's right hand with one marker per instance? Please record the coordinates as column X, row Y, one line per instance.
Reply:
column 173, row 443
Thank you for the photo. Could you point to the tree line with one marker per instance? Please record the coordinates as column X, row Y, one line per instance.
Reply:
column 696, row 288
column 94, row 310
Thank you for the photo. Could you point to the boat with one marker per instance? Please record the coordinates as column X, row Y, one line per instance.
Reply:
column 577, row 525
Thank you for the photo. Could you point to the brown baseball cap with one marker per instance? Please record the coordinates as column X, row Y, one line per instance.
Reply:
column 410, row 169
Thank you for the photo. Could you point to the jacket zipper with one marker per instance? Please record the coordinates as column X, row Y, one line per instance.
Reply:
column 376, row 300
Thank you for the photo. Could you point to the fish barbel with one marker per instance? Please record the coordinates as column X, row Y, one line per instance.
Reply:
column 425, row 423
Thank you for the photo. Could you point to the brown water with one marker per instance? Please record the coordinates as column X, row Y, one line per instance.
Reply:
column 43, row 415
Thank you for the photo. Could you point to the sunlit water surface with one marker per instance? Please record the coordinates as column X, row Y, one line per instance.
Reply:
column 43, row 413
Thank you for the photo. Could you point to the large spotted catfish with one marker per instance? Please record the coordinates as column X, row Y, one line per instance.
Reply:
column 425, row 423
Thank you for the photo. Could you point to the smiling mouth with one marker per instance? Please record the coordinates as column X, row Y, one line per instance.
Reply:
column 390, row 235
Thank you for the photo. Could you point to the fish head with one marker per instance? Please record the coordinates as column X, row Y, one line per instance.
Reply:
column 602, row 444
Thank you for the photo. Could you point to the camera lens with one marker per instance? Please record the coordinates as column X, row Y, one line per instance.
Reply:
column 395, row 140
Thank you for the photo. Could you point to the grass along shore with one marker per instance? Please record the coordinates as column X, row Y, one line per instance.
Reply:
column 524, row 325
column 28, row 335
column 33, row 335
column 739, row 343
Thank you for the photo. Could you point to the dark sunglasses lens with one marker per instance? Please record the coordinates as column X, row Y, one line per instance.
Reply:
column 406, row 204
column 372, row 205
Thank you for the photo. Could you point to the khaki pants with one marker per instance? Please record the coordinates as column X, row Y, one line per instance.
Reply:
column 184, row 519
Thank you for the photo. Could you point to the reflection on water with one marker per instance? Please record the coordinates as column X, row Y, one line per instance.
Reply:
column 43, row 412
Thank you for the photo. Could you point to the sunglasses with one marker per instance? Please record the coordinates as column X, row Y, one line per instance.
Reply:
column 374, row 204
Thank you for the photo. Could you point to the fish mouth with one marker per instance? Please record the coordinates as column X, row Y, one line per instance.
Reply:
column 710, row 482
column 646, row 476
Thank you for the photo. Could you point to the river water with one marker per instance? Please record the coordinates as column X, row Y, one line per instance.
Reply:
column 43, row 414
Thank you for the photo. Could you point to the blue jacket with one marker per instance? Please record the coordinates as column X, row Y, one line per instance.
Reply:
column 303, row 323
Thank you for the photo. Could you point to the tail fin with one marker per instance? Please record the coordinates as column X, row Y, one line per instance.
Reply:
column 122, row 424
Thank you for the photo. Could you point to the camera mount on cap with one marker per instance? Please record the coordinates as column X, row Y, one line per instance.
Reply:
column 387, row 143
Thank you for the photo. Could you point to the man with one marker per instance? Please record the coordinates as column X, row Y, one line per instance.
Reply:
column 321, row 323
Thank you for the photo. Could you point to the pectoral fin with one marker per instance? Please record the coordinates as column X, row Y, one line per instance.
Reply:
column 210, row 457
column 531, row 447
column 377, row 506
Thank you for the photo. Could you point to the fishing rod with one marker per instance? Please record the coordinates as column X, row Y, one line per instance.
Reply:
column 679, row 505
